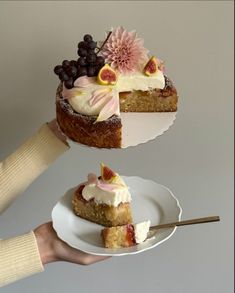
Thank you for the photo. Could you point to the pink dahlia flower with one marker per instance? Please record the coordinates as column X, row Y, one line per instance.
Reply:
column 124, row 51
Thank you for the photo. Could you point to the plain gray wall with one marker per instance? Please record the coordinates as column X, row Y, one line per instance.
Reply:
column 194, row 158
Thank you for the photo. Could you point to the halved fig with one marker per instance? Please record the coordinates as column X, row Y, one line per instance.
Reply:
column 151, row 67
column 107, row 76
column 110, row 176
column 107, row 174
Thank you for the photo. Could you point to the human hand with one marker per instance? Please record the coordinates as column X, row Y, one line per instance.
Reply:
column 52, row 249
column 54, row 128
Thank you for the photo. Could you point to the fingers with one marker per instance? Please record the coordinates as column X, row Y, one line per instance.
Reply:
column 88, row 259
column 70, row 254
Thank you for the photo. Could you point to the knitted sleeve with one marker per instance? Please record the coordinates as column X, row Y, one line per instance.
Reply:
column 19, row 256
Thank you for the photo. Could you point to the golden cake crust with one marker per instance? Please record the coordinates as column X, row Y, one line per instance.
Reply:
column 117, row 237
column 102, row 214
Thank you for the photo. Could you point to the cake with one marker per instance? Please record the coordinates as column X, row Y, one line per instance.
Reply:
column 126, row 235
column 104, row 200
column 117, row 76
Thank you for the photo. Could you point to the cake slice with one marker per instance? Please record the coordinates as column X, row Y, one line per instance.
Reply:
column 104, row 200
column 126, row 235
column 154, row 100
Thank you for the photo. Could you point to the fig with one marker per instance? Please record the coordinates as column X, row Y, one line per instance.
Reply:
column 110, row 176
column 151, row 66
column 107, row 76
column 107, row 174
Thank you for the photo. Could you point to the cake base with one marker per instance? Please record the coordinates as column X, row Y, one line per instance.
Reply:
column 117, row 237
column 102, row 214
column 155, row 100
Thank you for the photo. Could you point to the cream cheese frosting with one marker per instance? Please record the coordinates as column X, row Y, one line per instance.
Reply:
column 138, row 81
column 80, row 97
column 141, row 231
column 105, row 192
column 113, row 197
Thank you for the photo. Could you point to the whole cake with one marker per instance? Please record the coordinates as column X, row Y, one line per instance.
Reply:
column 116, row 76
column 104, row 200
column 126, row 235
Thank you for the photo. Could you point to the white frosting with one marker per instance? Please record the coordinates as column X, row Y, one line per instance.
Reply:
column 141, row 231
column 139, row 81
column 135, row 81
column 113, row 196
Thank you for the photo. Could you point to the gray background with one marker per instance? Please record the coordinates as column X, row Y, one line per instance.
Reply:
column 193, row 158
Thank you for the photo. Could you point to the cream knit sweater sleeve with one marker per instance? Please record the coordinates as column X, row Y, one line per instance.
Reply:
column 19, row 256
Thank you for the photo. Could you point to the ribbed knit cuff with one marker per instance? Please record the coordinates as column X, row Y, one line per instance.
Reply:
column 27, row 162
column 19, row 258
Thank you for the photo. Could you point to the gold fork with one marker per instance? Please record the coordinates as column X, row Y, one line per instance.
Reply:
column 153, row 229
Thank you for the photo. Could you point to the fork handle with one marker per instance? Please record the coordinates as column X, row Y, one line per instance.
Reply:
column 187, row 222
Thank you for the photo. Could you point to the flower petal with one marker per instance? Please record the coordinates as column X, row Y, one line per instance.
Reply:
column 84, row 81
column 109, row 109
column 124, row 50
column 92, row 178
column 70, row 93
column 99, row 95
column 105, row 186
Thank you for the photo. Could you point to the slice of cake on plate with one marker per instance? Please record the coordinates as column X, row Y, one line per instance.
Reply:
column 118, row 76
column 126, row 235
column 104, row 200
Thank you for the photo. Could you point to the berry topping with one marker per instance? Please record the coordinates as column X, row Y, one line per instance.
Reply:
column 82, row 45
column 87, row 38
column 64, row 76
column 82, row 52
column 69, row 83
column 91, row 70
column 91, row 58
column 82, row 71
column 73, row 63
column 65, row 63
column 82, row 61
column 88, row 63
column 72, row 71
column 100, row 60
column 90, row 51
column 58, row 69
column 91, row 45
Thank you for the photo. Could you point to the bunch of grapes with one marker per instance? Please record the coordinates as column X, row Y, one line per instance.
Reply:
column 88, row 63
column 67, row 72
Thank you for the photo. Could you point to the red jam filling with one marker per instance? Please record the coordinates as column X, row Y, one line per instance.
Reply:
column 79, row 194
column 130, row 235
column 80, row 189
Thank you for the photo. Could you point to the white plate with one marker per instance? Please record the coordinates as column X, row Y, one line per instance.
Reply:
column 150, row 200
